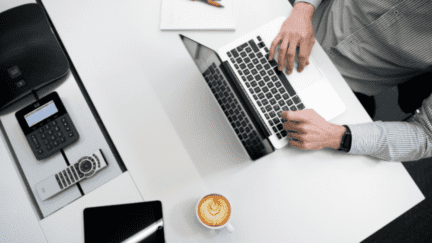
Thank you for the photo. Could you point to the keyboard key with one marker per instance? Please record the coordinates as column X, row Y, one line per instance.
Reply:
column 265, row 102
column 263, row 109
column 257, row 90
column 300, row 106
column 255, row 97
column 265, row 89
column 248, row 50
column 267, row 116
column 253, row 83
column 285, row 108
column 276, row 120
column 259, row 67
column 235, row 53
column 261, row 45
column 260, row 55
column 243, row 54
column 270, row 122
column 270, row 73
column 281, row 102
column 266, row 49
column 243, row 78
column 236, row 66
column 280, row 126
column 281, row 90
column 289, row 102
column 261, row 83
column 274, row 90
column 263, row 73
column 247, row 85
column 240, row 72
column 269, row 95
column 251, row 91
column 254, row 71
column 278, row 135
column 229, row 54
column 274, row 78
column 263, row 61
column 242, row 66
column 259, row 103
column 278, row 97
column 253, row 45
column 267, row 67
column 250, row 65
column 266, row 78
column 242, row 46
column 272, row 114
column 255, row 61
column 250, row 78
column 239, row 60
column 276, row 108
column 268, row 108
column 272, row 101
column 293, row 108
column 257, row 78
column 252, row 55
column 278, row 84
column 296, row 99
column 246, row 72
column 259, row 38
column 247, row 60
column 284, row 133
column 232, row 60
column 285, row 96
column 275, row 129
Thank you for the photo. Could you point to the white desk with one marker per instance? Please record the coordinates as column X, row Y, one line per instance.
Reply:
column 154, row 104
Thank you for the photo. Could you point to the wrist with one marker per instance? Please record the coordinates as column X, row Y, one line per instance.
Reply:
column 304, row 9
column 336, row 137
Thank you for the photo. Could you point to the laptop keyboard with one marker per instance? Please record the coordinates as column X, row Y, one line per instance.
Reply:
column 233, row 110
column 261, row 77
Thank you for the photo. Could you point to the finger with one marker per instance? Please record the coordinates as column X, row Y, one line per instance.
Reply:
column 282, row 52
column 273, row 46
column 307, row 62
column 293, row 116
column 303, row 56
column 290, row 56
column 296, row 144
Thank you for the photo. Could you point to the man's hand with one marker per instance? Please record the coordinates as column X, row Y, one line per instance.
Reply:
column 312, row 131
column 297, row 30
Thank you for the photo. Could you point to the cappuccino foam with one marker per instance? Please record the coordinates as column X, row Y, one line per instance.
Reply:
column 214, row 210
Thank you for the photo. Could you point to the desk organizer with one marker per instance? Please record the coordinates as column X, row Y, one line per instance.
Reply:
column 91, row 139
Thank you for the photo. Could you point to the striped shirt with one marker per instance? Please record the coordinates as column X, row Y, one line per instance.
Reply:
column 376, row 45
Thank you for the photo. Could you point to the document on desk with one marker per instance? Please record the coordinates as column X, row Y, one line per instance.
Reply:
column 196, row 15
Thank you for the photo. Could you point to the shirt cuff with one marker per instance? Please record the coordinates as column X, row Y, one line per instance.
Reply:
column 315, row 3
column 363, row 138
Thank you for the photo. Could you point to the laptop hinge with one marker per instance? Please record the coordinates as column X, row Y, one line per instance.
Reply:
column 246, row 101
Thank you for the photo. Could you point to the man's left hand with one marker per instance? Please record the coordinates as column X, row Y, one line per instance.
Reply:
column 311, row 130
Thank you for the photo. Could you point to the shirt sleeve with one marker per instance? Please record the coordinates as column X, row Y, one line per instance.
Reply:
column 396, row 141
column 315, row 3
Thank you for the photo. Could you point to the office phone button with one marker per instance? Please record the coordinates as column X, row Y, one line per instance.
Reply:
column 40, row 151
column 55, row 143
column 41, row 130
column 48, row 147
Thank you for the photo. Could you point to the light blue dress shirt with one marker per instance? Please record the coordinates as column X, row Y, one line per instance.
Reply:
column 376, row 45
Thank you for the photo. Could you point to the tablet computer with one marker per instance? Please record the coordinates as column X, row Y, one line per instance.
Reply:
column 134, row 222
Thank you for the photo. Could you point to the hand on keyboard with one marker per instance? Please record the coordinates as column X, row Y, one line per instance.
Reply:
column 297, row 30
column 308, row 130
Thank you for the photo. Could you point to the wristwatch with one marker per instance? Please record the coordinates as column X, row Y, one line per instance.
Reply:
column 346, row 140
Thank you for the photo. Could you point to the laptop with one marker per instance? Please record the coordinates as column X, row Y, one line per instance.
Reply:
column 252, row 92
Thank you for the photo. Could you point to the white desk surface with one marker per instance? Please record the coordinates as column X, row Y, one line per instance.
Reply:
column 154, row 104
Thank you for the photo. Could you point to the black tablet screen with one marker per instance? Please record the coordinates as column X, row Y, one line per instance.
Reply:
column 117, row 223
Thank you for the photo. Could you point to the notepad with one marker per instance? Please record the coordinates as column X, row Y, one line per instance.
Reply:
column 196, row 15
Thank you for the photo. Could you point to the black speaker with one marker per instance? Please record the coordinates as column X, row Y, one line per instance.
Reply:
column 30, row 55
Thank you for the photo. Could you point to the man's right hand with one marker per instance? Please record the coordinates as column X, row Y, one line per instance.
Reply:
column 297, row 30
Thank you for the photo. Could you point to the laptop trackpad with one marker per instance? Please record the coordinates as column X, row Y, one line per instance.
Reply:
column 323, row 99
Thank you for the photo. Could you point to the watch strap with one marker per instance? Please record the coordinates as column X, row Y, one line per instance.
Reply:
column 346, row 140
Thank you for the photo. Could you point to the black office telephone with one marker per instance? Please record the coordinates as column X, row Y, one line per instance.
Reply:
column 30, row 55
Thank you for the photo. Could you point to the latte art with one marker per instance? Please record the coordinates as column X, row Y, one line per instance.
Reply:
column 214, row 210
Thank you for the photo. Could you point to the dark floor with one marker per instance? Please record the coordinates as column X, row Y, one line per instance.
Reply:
column 416, row 224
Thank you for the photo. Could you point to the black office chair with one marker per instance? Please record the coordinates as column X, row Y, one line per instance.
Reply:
column 413, row 92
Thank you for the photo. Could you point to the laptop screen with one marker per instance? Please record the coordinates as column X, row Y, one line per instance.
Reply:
column 232, row 101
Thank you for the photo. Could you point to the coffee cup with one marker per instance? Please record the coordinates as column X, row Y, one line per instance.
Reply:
column 214, row 212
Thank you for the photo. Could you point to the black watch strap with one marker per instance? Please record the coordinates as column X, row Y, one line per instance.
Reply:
column 346, row 140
